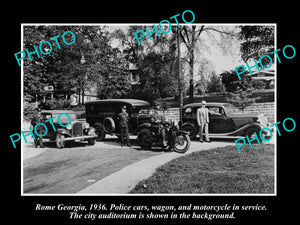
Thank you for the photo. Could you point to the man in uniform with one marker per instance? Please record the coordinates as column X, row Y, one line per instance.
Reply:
column 156, row 118
column 37, row 118
column 203, row 121
column 123, row 124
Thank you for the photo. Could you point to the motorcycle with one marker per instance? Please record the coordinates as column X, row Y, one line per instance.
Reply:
column 175, row 139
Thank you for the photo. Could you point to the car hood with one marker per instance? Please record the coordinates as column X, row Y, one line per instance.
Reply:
column 241, row 119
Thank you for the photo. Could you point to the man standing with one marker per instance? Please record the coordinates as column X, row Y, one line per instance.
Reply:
column 203, row 120
column 37, row 118
column 123, row 124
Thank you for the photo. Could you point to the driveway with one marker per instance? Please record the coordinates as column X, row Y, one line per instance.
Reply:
column 127, row 178
column 73, row 168
column 100, row 169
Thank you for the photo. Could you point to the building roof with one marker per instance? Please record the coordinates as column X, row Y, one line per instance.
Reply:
column 56, row 111
column 197, row 104
column 133, row 102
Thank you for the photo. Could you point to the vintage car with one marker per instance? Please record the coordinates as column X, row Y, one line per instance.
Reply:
column 76, row 130
column 224, row 120
column 103, row 115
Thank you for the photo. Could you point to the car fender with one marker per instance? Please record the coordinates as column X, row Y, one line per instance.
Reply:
column 242, row 130
column 182, row 132
column 86, row 131
column 143, row 125
column 189, row 124
column 64, row 132
column 91, row 129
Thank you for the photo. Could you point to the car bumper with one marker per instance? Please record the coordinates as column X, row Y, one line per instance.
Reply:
column 80, row 137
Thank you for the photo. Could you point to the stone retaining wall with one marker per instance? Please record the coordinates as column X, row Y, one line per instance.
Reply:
column 266, row 108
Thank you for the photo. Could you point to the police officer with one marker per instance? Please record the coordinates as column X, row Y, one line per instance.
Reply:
column 37, row 118
column 123, row 124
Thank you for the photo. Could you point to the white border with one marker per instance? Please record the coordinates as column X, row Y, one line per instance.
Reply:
column 150, row 24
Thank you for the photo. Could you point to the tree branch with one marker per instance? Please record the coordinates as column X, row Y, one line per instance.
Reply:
column 200, row 30
column 183, row 39
column 186, row 33
column 219, row 31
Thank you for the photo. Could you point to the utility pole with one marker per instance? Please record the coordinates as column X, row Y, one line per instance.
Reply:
column 179, row 81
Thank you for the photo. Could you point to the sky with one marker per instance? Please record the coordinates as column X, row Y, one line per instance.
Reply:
column 221, row 62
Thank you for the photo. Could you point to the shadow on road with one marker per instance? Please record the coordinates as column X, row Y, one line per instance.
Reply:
column 134, row 144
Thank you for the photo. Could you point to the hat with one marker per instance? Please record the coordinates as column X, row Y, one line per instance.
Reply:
column 203, row 102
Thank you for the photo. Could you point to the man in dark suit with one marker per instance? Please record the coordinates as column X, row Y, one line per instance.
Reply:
column 37, row 118
column 123, row 118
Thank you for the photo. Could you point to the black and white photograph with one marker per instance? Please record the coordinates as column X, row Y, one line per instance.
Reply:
column 144, row 109
column 150, row 113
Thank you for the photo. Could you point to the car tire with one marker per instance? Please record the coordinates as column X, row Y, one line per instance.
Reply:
column 100, row 132
column 109, row 125
column 145, row 139
column 191, row 130
column 250, row 133
column 187, row 142
column 60, row 140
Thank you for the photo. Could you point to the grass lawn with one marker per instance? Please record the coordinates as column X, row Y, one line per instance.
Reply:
column 220, row 170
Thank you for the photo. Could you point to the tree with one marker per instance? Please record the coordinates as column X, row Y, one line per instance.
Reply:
column 242, row 98
column 91, row 61
column 155, row 61
column 232, row 83
column 190, row 36
column 240, row 91
column 256, row 42
column 215, row 84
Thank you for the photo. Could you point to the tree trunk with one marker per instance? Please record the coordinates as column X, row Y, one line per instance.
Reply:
column 191, row 65
column 82, row 96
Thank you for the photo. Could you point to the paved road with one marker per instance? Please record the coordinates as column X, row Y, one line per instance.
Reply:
column 81, row 167
column 69, row 170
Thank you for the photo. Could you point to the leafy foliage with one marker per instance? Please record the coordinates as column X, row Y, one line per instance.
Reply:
column 241, row 99
column 256, row 42
column 155, row 61
column 90, row 61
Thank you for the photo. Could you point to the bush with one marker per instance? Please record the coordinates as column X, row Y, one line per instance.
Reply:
column 55, row 104
column 28, row 110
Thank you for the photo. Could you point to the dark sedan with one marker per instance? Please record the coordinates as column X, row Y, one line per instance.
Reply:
column 224, row 120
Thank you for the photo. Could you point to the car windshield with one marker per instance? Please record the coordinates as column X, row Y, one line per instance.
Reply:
column 229, row 108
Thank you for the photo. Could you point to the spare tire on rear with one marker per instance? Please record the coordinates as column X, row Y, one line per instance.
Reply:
column 109, row 125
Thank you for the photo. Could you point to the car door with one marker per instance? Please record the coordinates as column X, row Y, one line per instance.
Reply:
column 218, row 121
column 50, row 131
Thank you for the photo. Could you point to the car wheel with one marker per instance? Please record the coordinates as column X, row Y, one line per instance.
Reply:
column 100, row 132
column 250, row 133
column 109, row 125
column 145, row 139
column 191, row 130
column 60, row 141
column 182, row 143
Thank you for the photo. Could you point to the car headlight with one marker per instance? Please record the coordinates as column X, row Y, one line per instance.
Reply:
column 69, row 127
column 262, row 120
column 86, row 126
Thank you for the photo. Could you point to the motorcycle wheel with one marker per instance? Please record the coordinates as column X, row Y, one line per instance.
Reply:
column 182, row 143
